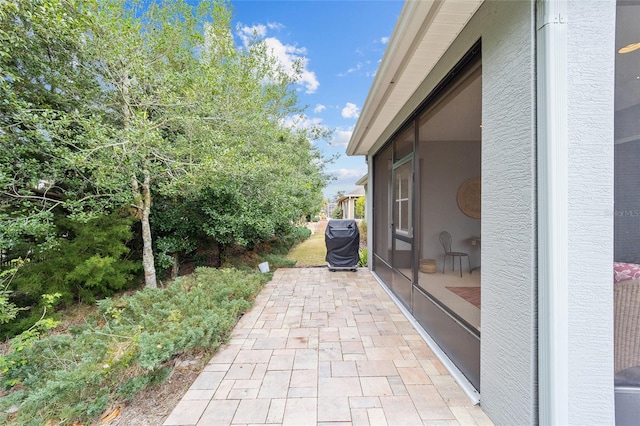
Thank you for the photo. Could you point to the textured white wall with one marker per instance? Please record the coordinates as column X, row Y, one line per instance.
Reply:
column 591, row 36
column 509, row 313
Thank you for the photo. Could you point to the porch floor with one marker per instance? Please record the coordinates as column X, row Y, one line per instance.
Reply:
column 322, row 347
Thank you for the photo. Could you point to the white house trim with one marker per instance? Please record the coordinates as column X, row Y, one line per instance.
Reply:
column 553, row 166
column 424, row 31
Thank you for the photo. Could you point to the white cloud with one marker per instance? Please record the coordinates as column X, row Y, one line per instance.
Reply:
column 301, row 122
column 356, row 68
column 289, row 57
column 319, row 108
column 350, row 111
column 341, row 137
column 275, row 26
column 344, row 180
column 362, row 66
column 246, row 33
column 365, row 65
column 346, row 174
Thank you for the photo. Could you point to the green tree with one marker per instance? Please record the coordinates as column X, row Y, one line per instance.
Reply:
column 43, row 86
column 337, row 213
column 188, row 108
column 360, row 206
column 122, row 101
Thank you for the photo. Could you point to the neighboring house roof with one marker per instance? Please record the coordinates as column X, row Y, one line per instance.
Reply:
column 363, row 180
column 356, row 193
column 424, row 32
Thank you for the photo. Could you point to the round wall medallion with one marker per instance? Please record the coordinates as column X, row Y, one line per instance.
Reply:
column 469, row 197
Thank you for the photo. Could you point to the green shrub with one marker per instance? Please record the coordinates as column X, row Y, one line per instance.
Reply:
column 278, row 261
column 336, row 213
column 223, row 216
column 88, row 261
column 360, row 207
column 297, row 235
column 363, row 228
column 363, row 257
column 274, row 251
column 127, row 346
column 8, row 310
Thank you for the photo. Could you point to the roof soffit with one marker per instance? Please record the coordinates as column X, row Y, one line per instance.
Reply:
column 423, row 33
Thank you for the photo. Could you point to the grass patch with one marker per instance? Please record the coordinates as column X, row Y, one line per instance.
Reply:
column 310, row 252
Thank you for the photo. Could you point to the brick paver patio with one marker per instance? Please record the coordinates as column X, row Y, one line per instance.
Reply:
column 324, row 347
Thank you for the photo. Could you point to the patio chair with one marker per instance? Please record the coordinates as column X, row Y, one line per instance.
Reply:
column 626, row 310
column 445, row 240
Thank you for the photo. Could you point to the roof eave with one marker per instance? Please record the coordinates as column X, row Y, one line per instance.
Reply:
column 420, row 25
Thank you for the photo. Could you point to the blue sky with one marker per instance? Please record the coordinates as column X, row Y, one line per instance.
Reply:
column 341, row 43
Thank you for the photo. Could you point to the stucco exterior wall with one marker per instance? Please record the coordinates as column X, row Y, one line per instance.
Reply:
column 509, row 234
column 591, row 50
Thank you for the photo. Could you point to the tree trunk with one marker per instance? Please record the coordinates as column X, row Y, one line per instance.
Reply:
column 147, row 250
column 143, row 198
column 143, row 204
column 174, row 268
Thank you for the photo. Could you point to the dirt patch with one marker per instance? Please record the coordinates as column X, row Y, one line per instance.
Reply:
column 153, row 405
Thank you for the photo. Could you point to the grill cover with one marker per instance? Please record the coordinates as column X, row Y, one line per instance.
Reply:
column 342, row 239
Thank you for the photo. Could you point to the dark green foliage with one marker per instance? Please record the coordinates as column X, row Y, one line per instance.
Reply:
column 336, row 213
column 40, row 116
column 138, row 383
column 273, row 251
column 125, row 348
column 86, row 261
column 297, row 235
column 236, row 218
column 225, row 217
column 278, row 261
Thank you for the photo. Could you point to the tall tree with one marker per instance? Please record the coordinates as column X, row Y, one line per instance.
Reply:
column 186, row 104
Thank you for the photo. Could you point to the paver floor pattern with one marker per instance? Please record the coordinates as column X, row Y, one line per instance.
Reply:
column 322, row 347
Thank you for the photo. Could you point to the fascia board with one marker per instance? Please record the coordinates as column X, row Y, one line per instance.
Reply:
column 423, row 33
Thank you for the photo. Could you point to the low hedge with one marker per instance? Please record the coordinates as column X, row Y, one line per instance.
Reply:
column 127, row 346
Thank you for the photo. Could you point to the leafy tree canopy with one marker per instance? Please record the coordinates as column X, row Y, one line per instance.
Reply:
column 108, row 104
